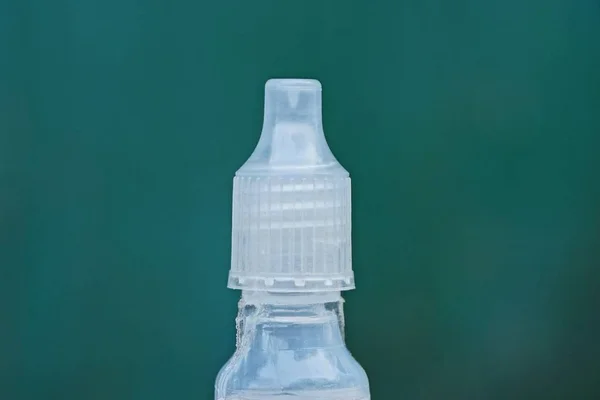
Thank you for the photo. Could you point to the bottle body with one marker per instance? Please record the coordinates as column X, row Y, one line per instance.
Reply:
column 291, row 346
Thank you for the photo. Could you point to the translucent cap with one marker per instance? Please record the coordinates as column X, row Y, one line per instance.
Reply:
column 291, row 201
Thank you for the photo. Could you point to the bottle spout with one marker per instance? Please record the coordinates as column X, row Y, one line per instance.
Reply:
column 293, row 100
column 292, row 137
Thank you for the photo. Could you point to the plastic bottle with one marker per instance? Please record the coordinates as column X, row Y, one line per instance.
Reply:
column 291, row 257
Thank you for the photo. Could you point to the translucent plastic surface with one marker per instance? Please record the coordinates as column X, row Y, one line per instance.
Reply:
column 291, row 256
column 291, row 351
column 291, row 201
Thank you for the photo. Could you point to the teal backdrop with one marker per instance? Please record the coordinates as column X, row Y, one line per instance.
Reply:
column 472, row 132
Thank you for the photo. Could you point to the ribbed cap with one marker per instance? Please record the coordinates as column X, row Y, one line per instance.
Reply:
column 291, row 201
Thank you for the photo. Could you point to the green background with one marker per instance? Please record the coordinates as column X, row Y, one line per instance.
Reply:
column 471, row 130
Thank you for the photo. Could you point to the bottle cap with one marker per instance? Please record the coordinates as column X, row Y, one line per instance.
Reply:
column 291, row 201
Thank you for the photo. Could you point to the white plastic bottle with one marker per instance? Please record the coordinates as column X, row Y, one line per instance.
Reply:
column 291, row 257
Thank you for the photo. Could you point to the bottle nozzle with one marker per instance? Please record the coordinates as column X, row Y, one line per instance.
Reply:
column 297, row 99
column 292, row 137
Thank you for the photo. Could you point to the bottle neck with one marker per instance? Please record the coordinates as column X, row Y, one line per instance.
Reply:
column 293, row 298
column 275, row 322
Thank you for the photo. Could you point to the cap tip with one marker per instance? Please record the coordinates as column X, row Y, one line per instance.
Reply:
column 293, row 83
